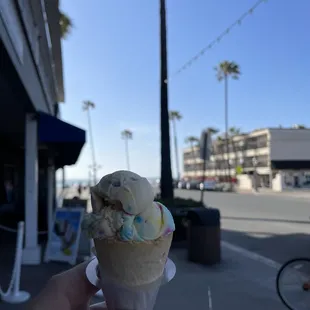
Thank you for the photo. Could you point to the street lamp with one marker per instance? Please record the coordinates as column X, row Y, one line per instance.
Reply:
column 255, row 162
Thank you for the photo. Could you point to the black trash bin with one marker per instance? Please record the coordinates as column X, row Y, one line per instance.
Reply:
column 204, row 236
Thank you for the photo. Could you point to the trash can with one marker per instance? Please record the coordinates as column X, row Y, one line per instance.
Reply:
column 204, row 236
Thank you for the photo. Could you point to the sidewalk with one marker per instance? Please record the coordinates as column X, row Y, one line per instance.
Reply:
column 302, row 193
column 237, row 283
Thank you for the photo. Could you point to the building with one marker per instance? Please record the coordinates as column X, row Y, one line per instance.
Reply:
column 273, row 157
column 34, row 141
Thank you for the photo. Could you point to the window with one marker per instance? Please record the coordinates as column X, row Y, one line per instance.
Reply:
column 256, row 142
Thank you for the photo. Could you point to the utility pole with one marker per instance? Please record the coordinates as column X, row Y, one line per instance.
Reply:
column 166, row 185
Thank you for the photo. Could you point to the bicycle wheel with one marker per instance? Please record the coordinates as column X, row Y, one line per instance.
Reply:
column 293, row 284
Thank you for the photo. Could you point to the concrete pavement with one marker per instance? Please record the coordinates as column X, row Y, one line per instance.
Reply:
column 239, row 282
column 303, row 193
column 272, row 226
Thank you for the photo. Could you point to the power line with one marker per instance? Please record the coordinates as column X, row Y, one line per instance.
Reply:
column 217, row 40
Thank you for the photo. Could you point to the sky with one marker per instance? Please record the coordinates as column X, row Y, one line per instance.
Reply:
column 111, row 57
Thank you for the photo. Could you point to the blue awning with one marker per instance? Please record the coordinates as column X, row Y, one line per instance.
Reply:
column 67, row 140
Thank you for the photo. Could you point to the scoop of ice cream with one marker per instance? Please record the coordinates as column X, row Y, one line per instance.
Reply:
column 134, row 192
column 151, row 224
column 124, row 208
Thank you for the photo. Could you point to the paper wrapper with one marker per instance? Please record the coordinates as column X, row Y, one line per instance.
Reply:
column 131, row 272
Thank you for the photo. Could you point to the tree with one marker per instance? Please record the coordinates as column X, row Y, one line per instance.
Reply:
column 166, row 185
column 176, row 116
column 65, row 25
column 87, row 106
column 233, row 132
column 191, row 140
column 127, row 135
column 225, row 70
column 299, row 126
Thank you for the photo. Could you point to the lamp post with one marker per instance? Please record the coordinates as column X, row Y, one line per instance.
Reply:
column 255, row 162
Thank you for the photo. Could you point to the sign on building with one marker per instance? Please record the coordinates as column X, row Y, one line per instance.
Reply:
column 205, row 145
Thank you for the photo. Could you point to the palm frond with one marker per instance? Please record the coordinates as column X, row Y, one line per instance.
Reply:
column 227, row 68
column 127, row 134
column 191, row 139
column 66, row 25
column 87, row 104
column 175, row 115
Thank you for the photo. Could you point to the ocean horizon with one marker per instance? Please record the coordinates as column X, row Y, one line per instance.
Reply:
column 85, row 182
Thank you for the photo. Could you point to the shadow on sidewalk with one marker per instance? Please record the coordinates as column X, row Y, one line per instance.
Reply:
column 278, row 247
column 250, row 219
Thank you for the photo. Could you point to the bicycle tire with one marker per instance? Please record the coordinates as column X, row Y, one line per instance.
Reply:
column 280, row 272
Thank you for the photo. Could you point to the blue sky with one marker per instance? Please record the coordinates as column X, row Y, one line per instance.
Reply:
column 112, row 59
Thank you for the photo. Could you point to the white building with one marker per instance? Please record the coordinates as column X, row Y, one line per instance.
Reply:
column 273, row 157
column 34, row 142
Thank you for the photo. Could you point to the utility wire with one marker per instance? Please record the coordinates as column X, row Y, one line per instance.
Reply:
column 217, row 40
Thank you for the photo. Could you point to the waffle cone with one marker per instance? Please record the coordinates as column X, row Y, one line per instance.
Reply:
column 133, row 263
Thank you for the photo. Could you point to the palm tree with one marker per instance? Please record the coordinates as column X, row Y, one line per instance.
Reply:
column 65, row 25
column 127, row 135
column 176, row 116
column 225, row 70
column 166, row 185
column 87, row 106
column 233, row 132
column 191, row 140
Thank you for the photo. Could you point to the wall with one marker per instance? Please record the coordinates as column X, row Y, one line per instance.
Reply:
column 245, row 182
column 285, row 180
column 18, row 49
column 289, row 144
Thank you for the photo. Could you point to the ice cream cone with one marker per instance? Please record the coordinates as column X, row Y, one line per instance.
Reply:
column 133, row 263
column 131, row 272
column 132, row 236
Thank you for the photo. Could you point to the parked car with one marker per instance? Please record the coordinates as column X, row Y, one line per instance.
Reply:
column 193, row 184
column 208, row 185
column 174, row 183
column 181, row 184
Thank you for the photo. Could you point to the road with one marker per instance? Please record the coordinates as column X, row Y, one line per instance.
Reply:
column 273, row 226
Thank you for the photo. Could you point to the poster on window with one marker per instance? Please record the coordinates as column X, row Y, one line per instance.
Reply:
column 63, row 244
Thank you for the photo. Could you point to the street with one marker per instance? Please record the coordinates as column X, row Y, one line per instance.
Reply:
column 275, row 227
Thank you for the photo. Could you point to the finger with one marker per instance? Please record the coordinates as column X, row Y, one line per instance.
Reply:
column 99, row 306
column 68, row 290
column 76, row 286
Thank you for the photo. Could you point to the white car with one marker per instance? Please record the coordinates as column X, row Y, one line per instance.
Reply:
column 209, row 185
